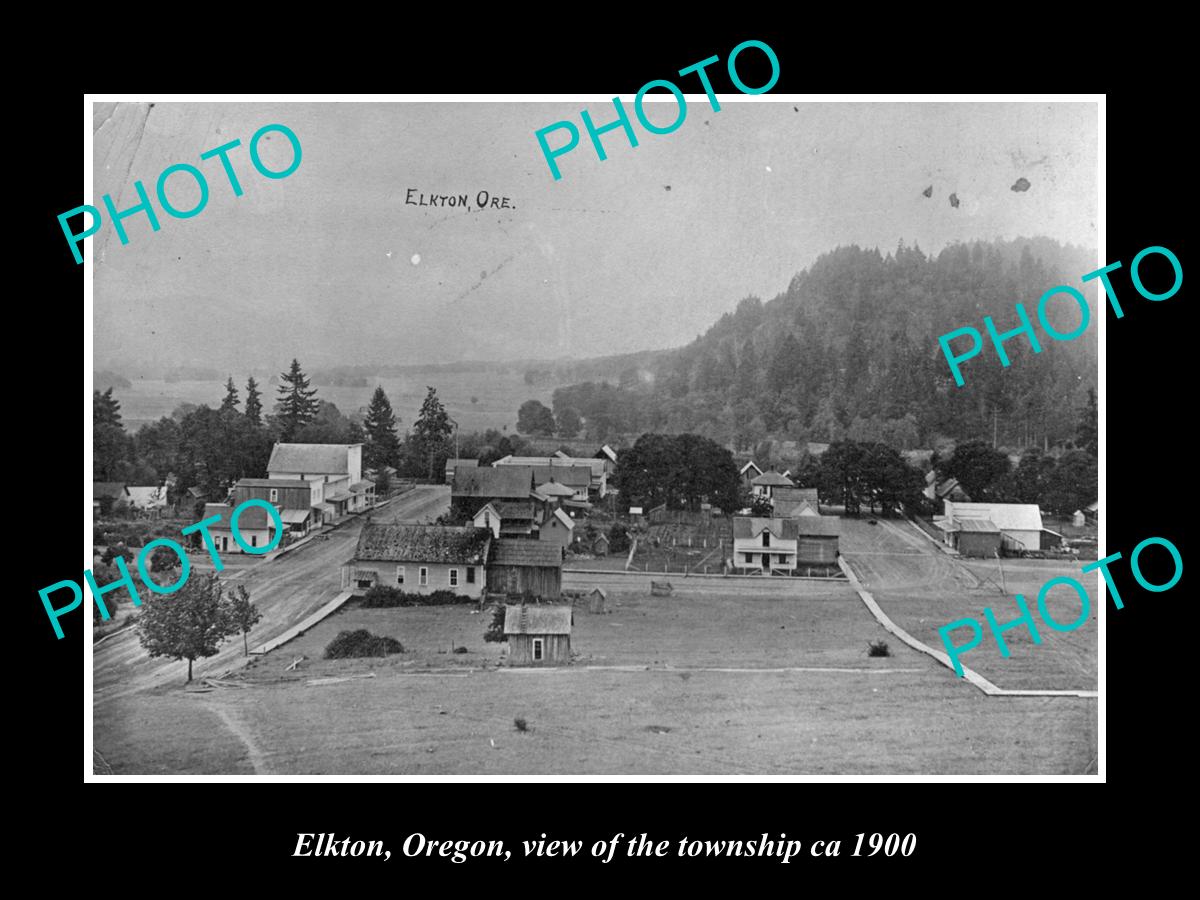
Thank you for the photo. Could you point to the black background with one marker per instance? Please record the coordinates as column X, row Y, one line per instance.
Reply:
column 969, row 834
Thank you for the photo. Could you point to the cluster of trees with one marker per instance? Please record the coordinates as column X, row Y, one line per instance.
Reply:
column 680, row 471
column 213, row 448
column 849, row 351
column 535, row 418
column 192, row 623
column 1059, row 486
column 857, row 473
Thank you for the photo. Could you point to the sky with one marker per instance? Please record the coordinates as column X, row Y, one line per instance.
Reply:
column 641, row 251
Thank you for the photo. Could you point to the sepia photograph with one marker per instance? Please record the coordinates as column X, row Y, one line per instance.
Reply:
column 537, row 438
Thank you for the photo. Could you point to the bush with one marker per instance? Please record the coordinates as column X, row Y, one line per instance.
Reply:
column 878, row 648
column 113, row 552
column 383, row 596
column 361, row 643
column 520, row 724
column 495, row 631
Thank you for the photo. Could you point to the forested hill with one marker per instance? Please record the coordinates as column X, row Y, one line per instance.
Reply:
column 850, row 350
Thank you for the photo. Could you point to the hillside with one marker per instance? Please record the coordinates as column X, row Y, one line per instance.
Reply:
column 850, row 350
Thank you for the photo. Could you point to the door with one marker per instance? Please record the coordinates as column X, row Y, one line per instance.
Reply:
column 766, row 563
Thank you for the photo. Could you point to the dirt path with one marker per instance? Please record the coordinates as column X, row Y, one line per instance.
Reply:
column 256, row 756
column 285, row 590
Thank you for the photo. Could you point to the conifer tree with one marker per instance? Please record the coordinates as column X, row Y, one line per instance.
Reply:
column 383, row 446
column 296, row 406
column 253, row 402
column 230, row 402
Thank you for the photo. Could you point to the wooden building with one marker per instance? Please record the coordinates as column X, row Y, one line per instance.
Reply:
column 557, row 528
column 419, row 559
column 817, row 540
column 475, row 488
column 538, row 635
column 520, row 566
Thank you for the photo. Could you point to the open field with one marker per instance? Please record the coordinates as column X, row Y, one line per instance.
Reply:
column 696, row 544
column 498, row 395
column 707, row 681
column 922, row 589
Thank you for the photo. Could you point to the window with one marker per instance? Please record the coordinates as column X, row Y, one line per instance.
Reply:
column 487, row 519
column 538, row 649
column 470, row 574
column 782, row 559
column 766, row 539
column 454, row 578
column 274, row 495
column 254, row 540
column 399, row 574
column 749, row 557
column 423, row 576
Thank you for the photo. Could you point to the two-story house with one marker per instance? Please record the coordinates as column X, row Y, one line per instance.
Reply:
column 337, row 466
column 764, row 545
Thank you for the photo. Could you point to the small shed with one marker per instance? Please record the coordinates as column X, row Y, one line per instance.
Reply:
column 598, row 601
column 600, row 545
column 1078, row 519
column 522, row 566
column 538, row 635
column 976, row 537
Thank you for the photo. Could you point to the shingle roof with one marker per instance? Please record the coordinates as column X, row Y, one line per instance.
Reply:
column 465, row 463
column 504, row 482
column 773, row 478
column 555, row 489
column 316, row 459
column 565, row 519
column 537, row 619
column 789, row 509
column 572, row 476
column 752, row 526
column 423, row 543
column 984, row 525
column 1006, row 516
column 360, row 487
column 273, row 483
column 594, row 466
column 514, row 510
column 517, row 552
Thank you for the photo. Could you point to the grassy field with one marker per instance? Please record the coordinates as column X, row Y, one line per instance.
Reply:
column 921, row 592
column 694, row 683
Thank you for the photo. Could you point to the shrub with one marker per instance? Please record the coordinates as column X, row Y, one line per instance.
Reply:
column 878, row 648
column 383, row 596
column 495, row 630
column 461, row 650
column 520, row 724
column 361, row 643
column 113, row 552
column 163, row 559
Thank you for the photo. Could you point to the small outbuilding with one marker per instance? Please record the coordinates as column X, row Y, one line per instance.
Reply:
column 597, row 601
column 538, row 635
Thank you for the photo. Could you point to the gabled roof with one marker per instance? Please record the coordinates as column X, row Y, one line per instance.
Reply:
column 594, row 466
column 773, row 478
column 752, row 526
column 108, row 489
column 1006, row 516
column 147, row 496
column 501, row 482
column 423, row 543
column 465, row 463
column 555, row 489
column 537, row 619
column 311, row 459
column 789, row 509
column 981, row 525
column 608, row 452
column 750, row 465
column 517, row 552
column 563, row 519
column 252, row 517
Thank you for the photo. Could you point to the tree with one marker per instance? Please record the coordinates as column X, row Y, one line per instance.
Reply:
column 112, row 449
column 188, row 624
column 253, row 402
column 243, row 615
column 328, row 426
column 979, row 468
column 535, row 418
column 231, row 396
column 1072, row 485
column 569, row 423
column 164, row 559
column 429, row 444
column 383, row 446
column 295, row 407
column 618, row 538
column 106, row 410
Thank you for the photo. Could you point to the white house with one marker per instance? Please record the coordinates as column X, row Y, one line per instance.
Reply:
column 765, row 545
column 765, row 484
column 147, row 499
column 255, row 525
column 337, row 466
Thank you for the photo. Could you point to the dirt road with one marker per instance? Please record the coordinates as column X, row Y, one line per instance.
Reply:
column 285, row 590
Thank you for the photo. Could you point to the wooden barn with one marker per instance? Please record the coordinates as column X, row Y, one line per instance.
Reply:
column 518, row 566
column 817, row 540
column 538, row 635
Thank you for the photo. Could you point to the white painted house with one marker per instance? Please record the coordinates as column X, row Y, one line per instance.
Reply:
column 765, row 545
column 337, row 466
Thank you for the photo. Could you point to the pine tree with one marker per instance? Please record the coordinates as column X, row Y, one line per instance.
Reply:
column 295, row 406
column 230, row 402
column 383, row 446
column 431, row 434
column 106, row 410
column 253, row 402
